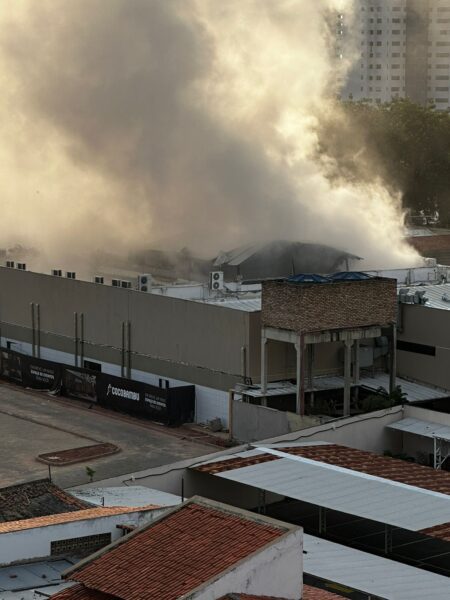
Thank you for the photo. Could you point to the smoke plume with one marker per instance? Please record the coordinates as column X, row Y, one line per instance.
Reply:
column 168, row 123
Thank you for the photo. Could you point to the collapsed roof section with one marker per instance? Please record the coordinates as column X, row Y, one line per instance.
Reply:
column 282, row 259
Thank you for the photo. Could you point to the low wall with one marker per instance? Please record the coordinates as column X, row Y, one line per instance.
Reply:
column 364, row 432
column 250, row 422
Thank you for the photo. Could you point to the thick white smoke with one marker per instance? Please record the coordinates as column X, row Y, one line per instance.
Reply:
column 171, row 123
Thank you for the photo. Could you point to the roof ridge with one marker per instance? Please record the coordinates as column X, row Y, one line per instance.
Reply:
column 67, row 517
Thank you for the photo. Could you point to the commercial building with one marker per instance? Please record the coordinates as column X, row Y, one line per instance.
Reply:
column 357, row 498
column 399, row 48
column 225, row 342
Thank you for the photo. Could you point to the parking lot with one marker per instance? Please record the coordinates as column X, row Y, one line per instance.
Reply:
column 32, row 423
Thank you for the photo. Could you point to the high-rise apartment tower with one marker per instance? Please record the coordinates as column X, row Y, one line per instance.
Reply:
column 399, row 48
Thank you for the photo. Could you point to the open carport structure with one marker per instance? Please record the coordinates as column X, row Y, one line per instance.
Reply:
column 384, row 505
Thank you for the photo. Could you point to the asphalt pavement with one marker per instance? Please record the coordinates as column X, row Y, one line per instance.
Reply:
column 32, row 423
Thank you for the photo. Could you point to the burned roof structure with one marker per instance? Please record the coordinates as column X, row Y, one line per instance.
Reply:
column 36, row 499
column 282, row 259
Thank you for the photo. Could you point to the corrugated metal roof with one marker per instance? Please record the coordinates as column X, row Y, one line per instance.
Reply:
column 415, row 392
column 345, row 490
column 236, row 256
column 278, row 388
column 244, row 304
column 33, row 575
column 434, row 294
column 371, row 574
column 423, row 428
column 135, row 495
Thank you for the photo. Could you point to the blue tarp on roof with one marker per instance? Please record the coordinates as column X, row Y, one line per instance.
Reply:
column 349, row 276
column 308, row 278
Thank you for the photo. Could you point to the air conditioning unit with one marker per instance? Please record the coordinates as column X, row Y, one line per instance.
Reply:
column 99, row 279
column 10, row 264
column 57, row 272
column 216, row 280
column 70, row 274
column 22, row 266
column 116, row 283
column 145, row 282
column 126, row 284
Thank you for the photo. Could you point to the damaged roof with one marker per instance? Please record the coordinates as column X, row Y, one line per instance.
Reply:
column 36, row 499
column 282, row 258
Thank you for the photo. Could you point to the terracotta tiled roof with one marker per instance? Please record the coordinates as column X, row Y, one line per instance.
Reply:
column 425, row 243
column 350, row 458
column 79, row 592
column 235, row 463
column 439, row 531
column 309, row 593
column 312, row 593
column 80, row 515
column 249, row 597
column 177, row 553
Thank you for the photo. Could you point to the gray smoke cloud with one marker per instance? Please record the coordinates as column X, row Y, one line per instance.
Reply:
column 170, row 123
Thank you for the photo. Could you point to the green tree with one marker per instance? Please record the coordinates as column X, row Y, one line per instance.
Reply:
column 404, row 144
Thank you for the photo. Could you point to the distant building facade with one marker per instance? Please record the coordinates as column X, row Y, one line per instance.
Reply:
column 400, row 49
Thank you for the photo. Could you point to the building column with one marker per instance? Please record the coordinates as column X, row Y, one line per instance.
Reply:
column 356, row 363
column 356, row 369
column 347, row 376
column 393, row 358
column 300, row 396
column 264, row 364
column 310, row 354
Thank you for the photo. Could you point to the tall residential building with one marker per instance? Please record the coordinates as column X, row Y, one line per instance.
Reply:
column 399, row 48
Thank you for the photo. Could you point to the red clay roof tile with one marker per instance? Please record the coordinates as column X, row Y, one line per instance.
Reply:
column 350, row 458
column 178, row 553
column 439, row 531
column 79, row 515
column 79, row 592
column 309, row 593
column 313, row 593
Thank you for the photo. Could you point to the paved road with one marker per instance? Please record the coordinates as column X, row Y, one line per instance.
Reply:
column 32, row 423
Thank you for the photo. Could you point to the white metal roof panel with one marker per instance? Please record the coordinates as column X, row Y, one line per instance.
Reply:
column 423, row 428
column 243, row 304
column 136, row 495
column 436, row 294
column 415, row 392
column 371, row 574
column 347, row 491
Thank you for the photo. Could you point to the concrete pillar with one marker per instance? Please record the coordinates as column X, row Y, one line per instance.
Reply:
column 310, row 365
column 356, row 370
column 347, row 376
column 300, row 396
column 393, row 358
column 356, row 362
column 264, row 364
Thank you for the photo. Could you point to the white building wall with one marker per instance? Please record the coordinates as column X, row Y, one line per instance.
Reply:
column 276, row 571
column 28, row 544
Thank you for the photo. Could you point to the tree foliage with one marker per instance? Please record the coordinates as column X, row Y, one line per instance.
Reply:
column 404, row 144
